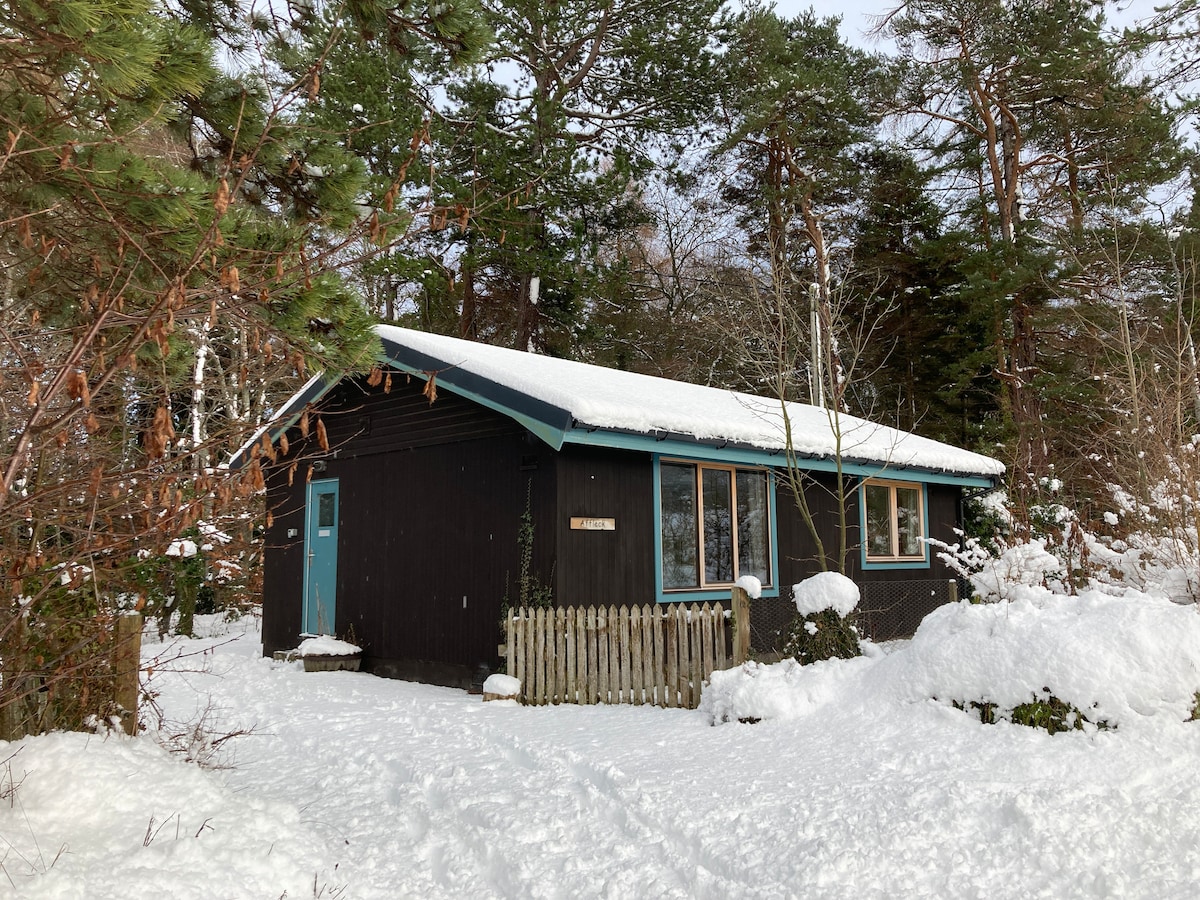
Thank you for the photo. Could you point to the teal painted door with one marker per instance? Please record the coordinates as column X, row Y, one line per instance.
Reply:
column 320, row 556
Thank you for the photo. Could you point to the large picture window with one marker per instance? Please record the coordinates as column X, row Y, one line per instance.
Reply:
column 715, row 525
column 894, row 521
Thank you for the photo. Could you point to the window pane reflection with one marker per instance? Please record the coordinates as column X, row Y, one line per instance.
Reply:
column 879, row 520
column 679, row 533
column 908, row 521
column 753, row 521
column 718, row 525
column 326, row 510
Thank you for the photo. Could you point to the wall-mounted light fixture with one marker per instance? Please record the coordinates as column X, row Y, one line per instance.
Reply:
column 319, row 465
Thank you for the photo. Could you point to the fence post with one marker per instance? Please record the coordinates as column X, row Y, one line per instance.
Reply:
column 952, row 591
column 635, row 654
column 127, row 664
column 539, row 657
column 719, row 636
column 560, row 657
column 510, row 641
column 741, row 625
column 603, row 626
column 672, row 648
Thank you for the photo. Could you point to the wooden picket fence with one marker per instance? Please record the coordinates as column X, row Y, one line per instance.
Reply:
column 654, row 655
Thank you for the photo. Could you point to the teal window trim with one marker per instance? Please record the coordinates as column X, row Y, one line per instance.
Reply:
column 723, row 592
column 880, row 565
column 749, row 457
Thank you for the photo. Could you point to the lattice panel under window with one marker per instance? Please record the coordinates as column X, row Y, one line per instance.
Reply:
column 894, row 609
column 887, row 610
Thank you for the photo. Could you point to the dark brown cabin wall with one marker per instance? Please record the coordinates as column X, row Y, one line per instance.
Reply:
column 430, row 500
column 283, row 562
column 797, row 549
column 428, row 549
column 798, row 557
column 605, row 567
column 361, row 420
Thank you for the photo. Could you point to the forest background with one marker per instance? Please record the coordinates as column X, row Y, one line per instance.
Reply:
column 986, row 234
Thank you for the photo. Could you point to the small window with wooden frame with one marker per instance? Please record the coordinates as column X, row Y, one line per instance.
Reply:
column 893, row 521
column 714, row 525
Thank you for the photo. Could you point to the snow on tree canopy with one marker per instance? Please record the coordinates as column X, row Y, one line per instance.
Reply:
column 826, row 590
column 182, row 547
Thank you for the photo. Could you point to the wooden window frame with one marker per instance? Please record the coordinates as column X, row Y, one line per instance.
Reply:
column 894, row 521
column 733, row 470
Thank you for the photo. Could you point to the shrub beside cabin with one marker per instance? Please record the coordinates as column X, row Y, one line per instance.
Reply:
column 405, row 534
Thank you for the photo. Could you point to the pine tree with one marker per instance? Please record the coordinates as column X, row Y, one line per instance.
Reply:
column 1033, row 108
column 800, row 119
column 547, row 143
column 164, row 219
column 928, row 362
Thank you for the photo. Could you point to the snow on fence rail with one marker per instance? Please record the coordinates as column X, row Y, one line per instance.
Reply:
column 653, row 655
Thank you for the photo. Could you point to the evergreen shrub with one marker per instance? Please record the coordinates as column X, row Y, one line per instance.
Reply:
column 1047, row 712
column 821, row 635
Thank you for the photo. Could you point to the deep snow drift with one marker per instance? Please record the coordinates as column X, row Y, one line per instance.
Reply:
column 856, row 783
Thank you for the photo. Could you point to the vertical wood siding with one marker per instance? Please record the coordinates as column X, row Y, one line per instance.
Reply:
column 599, row 566
column 431, row 500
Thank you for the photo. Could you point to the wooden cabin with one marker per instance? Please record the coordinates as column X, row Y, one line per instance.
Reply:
column 397, row 502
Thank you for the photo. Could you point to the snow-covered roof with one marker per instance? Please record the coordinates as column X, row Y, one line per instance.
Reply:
column 563, row 401
column 580, row 399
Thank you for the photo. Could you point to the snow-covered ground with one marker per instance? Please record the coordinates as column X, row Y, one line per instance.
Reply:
column 351, row 786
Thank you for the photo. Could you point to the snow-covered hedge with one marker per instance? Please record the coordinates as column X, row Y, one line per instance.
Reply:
column 1121, row 660
column 1129, row 661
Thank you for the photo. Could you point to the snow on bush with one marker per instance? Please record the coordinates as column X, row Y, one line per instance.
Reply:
column 1129, row 661
column 1123, row 660
column 1018, row 571
column 783, row 690
column 1154, row 564
column 826, row 590
column 823, row 628
column 1150, row 545
column 502, row 685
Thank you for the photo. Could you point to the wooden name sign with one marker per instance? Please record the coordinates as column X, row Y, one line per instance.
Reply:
column 591, row 523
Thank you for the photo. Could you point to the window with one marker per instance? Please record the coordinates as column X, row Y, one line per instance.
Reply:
column 326, row 509
column 715, row 525
column 894, row 521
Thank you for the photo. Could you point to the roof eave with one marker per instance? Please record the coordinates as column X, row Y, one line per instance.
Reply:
column 316, row 388
column 548, row 422
column 665, row 443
